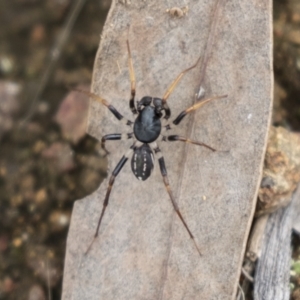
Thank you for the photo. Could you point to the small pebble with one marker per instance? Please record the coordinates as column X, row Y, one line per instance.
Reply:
column 36, row 293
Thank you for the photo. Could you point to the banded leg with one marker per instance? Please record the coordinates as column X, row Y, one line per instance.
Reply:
column 114, row 137
column 109, row 106
column 114, row 174
column 174, row 138
column 172, row 87
column 164, row 174
column 132, row 81
column 197, row 105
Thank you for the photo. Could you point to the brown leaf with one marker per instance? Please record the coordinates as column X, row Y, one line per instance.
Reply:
column 143, row 250
column 281, row 174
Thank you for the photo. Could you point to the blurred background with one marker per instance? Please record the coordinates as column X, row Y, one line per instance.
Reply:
column 46, row 159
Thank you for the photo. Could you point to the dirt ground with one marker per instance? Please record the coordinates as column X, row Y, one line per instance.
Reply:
column 46, row 159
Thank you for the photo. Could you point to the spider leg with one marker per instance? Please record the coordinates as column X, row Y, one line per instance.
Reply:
column 114, row 174
column 172, row 87
column 174, row 138
column 114, row 137
column 164, row 174
column 132, row 81
column 109, row 106
column 197, row 105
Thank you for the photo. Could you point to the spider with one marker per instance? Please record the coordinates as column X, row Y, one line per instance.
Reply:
column 146, row 129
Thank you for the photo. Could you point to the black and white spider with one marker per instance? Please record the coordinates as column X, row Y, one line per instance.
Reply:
column 147, row 127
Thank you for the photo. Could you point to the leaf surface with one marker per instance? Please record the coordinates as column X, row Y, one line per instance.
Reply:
column 143, row 250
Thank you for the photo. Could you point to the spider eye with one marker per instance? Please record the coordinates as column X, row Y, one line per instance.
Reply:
column 146, row 101
column 157, row 102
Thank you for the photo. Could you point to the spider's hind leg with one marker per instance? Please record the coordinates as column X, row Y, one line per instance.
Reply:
column 164, row 174
column 174, row 138
column 114, row 174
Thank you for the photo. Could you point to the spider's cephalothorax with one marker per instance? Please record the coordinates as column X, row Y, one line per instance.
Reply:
column 147, row 128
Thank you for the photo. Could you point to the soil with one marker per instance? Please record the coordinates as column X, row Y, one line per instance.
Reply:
column 44, row 164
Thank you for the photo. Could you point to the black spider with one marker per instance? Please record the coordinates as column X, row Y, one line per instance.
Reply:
column 147, row 127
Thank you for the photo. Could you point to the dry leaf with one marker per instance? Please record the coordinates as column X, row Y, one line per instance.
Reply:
column 143, row 251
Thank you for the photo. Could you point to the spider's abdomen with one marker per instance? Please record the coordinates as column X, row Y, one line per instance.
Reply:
column 142, row 162
column 147, row 125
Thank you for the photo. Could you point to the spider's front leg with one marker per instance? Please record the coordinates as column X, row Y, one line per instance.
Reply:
column 112, row 109
column 178, row 119
column 132, row 81
column 172, row 87
column 164, row 174
column 192, row 108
